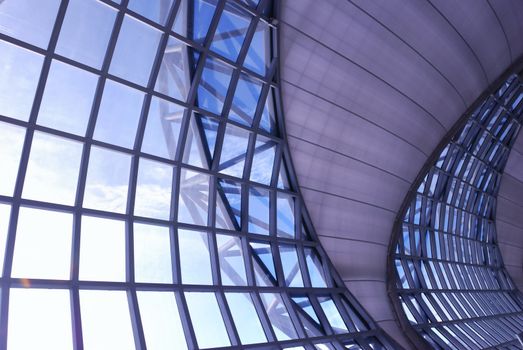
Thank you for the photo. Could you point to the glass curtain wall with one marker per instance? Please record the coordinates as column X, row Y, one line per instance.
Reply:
column 449, row 282
column 147, row 199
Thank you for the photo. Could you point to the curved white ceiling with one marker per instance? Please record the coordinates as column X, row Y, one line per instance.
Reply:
column 369, row 89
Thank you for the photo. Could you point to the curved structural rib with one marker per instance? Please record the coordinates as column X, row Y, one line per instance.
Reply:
column 147, row 199
column 447, row 281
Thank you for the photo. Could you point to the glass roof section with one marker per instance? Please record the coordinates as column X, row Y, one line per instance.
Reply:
column 449, row 285
column 147, row 200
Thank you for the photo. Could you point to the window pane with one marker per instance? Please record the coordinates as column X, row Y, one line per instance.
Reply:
column 214, row 83
column 52, row 171
column 29, row 20
column 20, row 71
column 203, row 11
column 102, row 249
column 195, row 259
column 230, row 192
column 207, row 320
column 5, row 213
column 279, row 316
column 229, row 35
column 263, row 264
column 163, row 128
column 153, row 189
column 39, row 319
column 130, row 63
column 194, row 197
column 263, row 161
column 68, row 98
column 11, row 143
column 43, row 244
column 245, row 318
column 285, row 215
column 232, row 264
column 161, row 322
column 152, row 254
column 119, row 114
column 315, row 268
column 174, row 78
column 291, row 267
column 107, row 180
column 106, row 323
column 258, row 56
column 245, row 100
column 259, row 211
column 196, row 151
column 78, row 40
column 234, row 150
column 155, row 10
column 333, row 315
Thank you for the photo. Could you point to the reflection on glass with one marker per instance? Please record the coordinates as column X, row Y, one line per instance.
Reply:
column 193, row 205
column 106, row 323
column 119, row 114
column 43, row 244
column 195, row 259
column 259, row 211
column 107, row 180
column 5, row 212
column 268, row 117
column 155, row 10
column 39, row 319
column 214, row 83
column 161, row 322
column 28, row 20
column 245, row 100
column 78, row 40
column 263, row 161
column 163, row 128
column 279, row 316
column 130, row 63
column 207, row 320
column 102, row 249
column 291, row 267
column 231, row 30
column 245, row 318
column 68, row 98
column 258, row 56
column 285, row 215
column 232, row 264
column 153, row 189
column 52, row 172
column 11, row 142
column 152, row 254
column 20, row 72
column 234, row 151
column 174, row 78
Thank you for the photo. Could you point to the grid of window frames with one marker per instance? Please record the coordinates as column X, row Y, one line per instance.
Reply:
column 449, row 275
column 146, row 195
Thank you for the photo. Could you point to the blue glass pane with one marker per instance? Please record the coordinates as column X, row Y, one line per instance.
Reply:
column 232, row 193
column 129, row 63
column 231, row 30
column 258, row 56
column 155, row 10
column 203, row 11
column 31, row 21
column 245, row 100
column 214, row 82
column 117, row 122
column 78, row 40
column 20, row 72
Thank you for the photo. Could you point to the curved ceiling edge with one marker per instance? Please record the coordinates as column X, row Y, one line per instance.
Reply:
column 434, row 265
